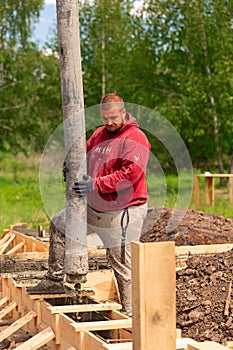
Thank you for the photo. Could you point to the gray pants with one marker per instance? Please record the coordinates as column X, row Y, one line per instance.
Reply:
column 109, row 228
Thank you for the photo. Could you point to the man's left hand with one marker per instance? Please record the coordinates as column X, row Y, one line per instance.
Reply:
column 84, row 186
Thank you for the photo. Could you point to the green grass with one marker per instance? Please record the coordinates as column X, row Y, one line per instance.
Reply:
column 20, row 199
column 222, row 200
column 164, row 192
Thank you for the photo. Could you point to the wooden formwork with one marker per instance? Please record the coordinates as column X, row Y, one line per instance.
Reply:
column 60, row 322
column 56, row 327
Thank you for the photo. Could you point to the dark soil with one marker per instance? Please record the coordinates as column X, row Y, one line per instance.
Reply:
column 189, row 227
column 203, row 289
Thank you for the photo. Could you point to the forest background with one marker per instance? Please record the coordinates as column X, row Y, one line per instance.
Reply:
column 174, row 57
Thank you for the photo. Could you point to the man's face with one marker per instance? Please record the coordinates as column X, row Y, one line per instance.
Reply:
column 113, row 118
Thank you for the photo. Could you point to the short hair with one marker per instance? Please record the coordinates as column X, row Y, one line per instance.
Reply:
column 111, row 100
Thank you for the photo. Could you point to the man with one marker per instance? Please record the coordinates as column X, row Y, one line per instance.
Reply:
column 116, row 190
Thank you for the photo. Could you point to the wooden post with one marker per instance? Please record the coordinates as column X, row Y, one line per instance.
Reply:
column 209, row 190
column 196, row 190
column 76, row 257
column 231, row 189
column 153, row 296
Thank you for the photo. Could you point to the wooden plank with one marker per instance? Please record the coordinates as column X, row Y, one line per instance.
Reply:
column 15, row 248
column 92, row 342
column 153, row 295
column 102, row 325
column 203, row 249
column 121, row 346
column 117, row 315
column 46, row 316
column 182, row 343
column 17, row 325
column 216, row 175
column 103, row 283
column 7, row 309
column 31, row 255
column 38, row 340
column 4, row 232
column 208, row 345
column 3, row 301
column 29, row 240
column 6, row 244
column 56, row 327
column 84, row 308
column 76, row 339
column 229, row 344
column 122, row 333
column 5, row 238
column 85, row 293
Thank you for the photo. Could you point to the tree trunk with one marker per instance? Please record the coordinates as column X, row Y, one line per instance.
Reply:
column 76, row 257
column 212, row 103
column 103, row 83
column 231, row 166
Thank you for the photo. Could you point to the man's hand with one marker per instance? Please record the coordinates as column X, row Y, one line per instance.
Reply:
column 84, row 186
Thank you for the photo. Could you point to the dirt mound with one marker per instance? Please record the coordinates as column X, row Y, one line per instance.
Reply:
column 189, row 227
column 203, row 298
column 203, row 290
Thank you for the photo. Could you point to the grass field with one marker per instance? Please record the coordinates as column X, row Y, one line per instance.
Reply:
column 20, row 196
column 21, row 200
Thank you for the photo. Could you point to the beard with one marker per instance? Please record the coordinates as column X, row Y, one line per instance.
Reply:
column 115, row 129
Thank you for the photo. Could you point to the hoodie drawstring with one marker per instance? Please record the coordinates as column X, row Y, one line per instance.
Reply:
column 123, row 233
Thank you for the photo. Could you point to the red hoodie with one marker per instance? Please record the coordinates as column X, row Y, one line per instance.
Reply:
column 117, row 162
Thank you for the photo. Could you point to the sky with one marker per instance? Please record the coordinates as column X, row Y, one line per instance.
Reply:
column 47, row 21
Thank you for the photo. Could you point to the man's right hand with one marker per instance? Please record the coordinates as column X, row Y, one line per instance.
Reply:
column 84, row 186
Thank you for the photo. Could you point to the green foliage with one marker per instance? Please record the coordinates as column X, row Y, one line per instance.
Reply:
column 16, row 19
column 30, row 105
column 193, row 43
column 174, row 57
column 30, row 99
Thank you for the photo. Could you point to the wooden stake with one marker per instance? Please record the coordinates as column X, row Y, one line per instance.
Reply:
column 153, row 296
column 231, row 189
column 228, row 301
column 196, row 190
column 209, row 190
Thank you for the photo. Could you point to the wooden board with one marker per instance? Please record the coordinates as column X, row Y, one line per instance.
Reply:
column 58, row 330
column 184, row 251
column 153, row 295
column 83, row 293
column 102, row 325
column 84, row 308
column 208, row 345
column 17, row 325
column 38, row 340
